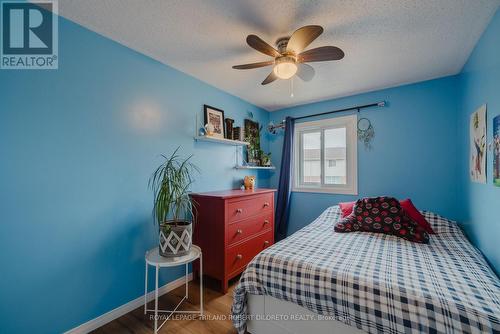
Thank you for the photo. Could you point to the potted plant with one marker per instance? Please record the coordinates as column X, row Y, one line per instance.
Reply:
column 265, row 158
column 173, row 208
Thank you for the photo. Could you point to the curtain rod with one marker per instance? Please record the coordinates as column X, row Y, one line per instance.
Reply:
column 272, row 128
column 378, row 104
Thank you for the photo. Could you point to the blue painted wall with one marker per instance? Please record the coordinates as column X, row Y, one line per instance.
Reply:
column 77, row 146
column 479, row 84
column 414, row 149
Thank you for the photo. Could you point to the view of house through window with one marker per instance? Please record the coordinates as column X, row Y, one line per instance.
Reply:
column 311, row 157
column 335, row 150
column 334, row 144
column 325, row 156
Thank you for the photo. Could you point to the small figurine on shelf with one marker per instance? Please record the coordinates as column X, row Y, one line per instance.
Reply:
column 209, row 129
column 249, row 182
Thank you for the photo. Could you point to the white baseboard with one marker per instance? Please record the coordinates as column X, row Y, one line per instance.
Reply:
column 126, row 308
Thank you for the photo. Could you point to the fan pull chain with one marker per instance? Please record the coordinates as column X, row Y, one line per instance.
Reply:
column 291, row 87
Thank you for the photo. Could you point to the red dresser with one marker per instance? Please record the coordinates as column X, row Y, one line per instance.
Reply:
column 231, row 228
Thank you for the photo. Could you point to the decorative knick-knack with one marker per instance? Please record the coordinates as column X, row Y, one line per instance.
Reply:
column 366, row 132
column 237, row 133
column 209, row 128
column 249, row 182
column 229, row 128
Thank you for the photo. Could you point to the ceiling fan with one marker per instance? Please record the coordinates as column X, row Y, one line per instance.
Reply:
column 290, row 57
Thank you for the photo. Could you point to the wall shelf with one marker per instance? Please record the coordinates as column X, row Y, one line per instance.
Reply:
column 221, row 141
column 255, row 167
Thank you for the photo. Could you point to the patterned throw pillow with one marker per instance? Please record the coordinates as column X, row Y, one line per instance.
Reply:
column 408, row 207
column 382, row 215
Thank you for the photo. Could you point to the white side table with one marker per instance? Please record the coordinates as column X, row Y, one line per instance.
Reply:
column 153, row 258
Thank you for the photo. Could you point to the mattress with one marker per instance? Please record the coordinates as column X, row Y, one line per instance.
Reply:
column 270, row 315
column 378, row 283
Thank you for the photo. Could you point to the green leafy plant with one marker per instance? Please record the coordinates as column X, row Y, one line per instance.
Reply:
column 265, row 158
column 170, row 183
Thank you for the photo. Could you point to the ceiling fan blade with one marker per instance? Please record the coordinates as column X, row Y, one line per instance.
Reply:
column 270, row 78
column 258, row 44
column 253, row 65
column 323, row 53
column 305, row 72
column 302, row 37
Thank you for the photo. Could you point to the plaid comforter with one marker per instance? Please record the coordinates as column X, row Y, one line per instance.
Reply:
column 378, row 283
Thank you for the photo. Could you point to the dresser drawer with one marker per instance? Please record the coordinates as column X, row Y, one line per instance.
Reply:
column 232, row 229
column 241, row 209
column 239, row 256
column 249, row 227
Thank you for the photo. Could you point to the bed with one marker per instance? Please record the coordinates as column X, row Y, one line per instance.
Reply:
column 368, row 282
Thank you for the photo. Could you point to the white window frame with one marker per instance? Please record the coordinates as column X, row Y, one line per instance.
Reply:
column 350, row 123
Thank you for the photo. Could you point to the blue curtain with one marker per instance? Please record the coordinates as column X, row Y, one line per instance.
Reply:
column 285, row 184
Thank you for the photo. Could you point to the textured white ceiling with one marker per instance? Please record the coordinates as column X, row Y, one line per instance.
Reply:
column 387, row 42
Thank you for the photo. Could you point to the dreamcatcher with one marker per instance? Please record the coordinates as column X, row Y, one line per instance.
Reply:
column 365, row 132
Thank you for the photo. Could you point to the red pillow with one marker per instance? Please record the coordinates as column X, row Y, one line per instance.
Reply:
column 346, row 208
column 415, row 215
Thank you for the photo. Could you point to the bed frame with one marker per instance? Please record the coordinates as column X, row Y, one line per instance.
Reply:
column 267, row 307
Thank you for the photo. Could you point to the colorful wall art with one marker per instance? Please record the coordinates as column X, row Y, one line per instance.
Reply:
column 478, row 145
column 496, row 151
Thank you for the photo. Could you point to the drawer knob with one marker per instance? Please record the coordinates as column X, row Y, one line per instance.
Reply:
column 266, row 222
column 239, row 257
column 266, row 243
column 239, row 210
column 239, row 231
column 266, row 204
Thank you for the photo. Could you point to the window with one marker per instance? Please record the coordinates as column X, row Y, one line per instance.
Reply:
column 325, row 156
column 332, row 163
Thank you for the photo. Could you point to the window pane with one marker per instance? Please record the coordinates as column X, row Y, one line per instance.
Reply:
column 335, row 156
column 311, row 153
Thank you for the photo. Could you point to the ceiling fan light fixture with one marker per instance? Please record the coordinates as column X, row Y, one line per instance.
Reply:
column 285, row 67
column 290, row 56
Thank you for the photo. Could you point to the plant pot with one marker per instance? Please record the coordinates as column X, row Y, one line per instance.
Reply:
column 175, row 238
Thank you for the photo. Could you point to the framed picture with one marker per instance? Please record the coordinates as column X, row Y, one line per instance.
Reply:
column 478, row 145
column 215, row 118
column 252, row 135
